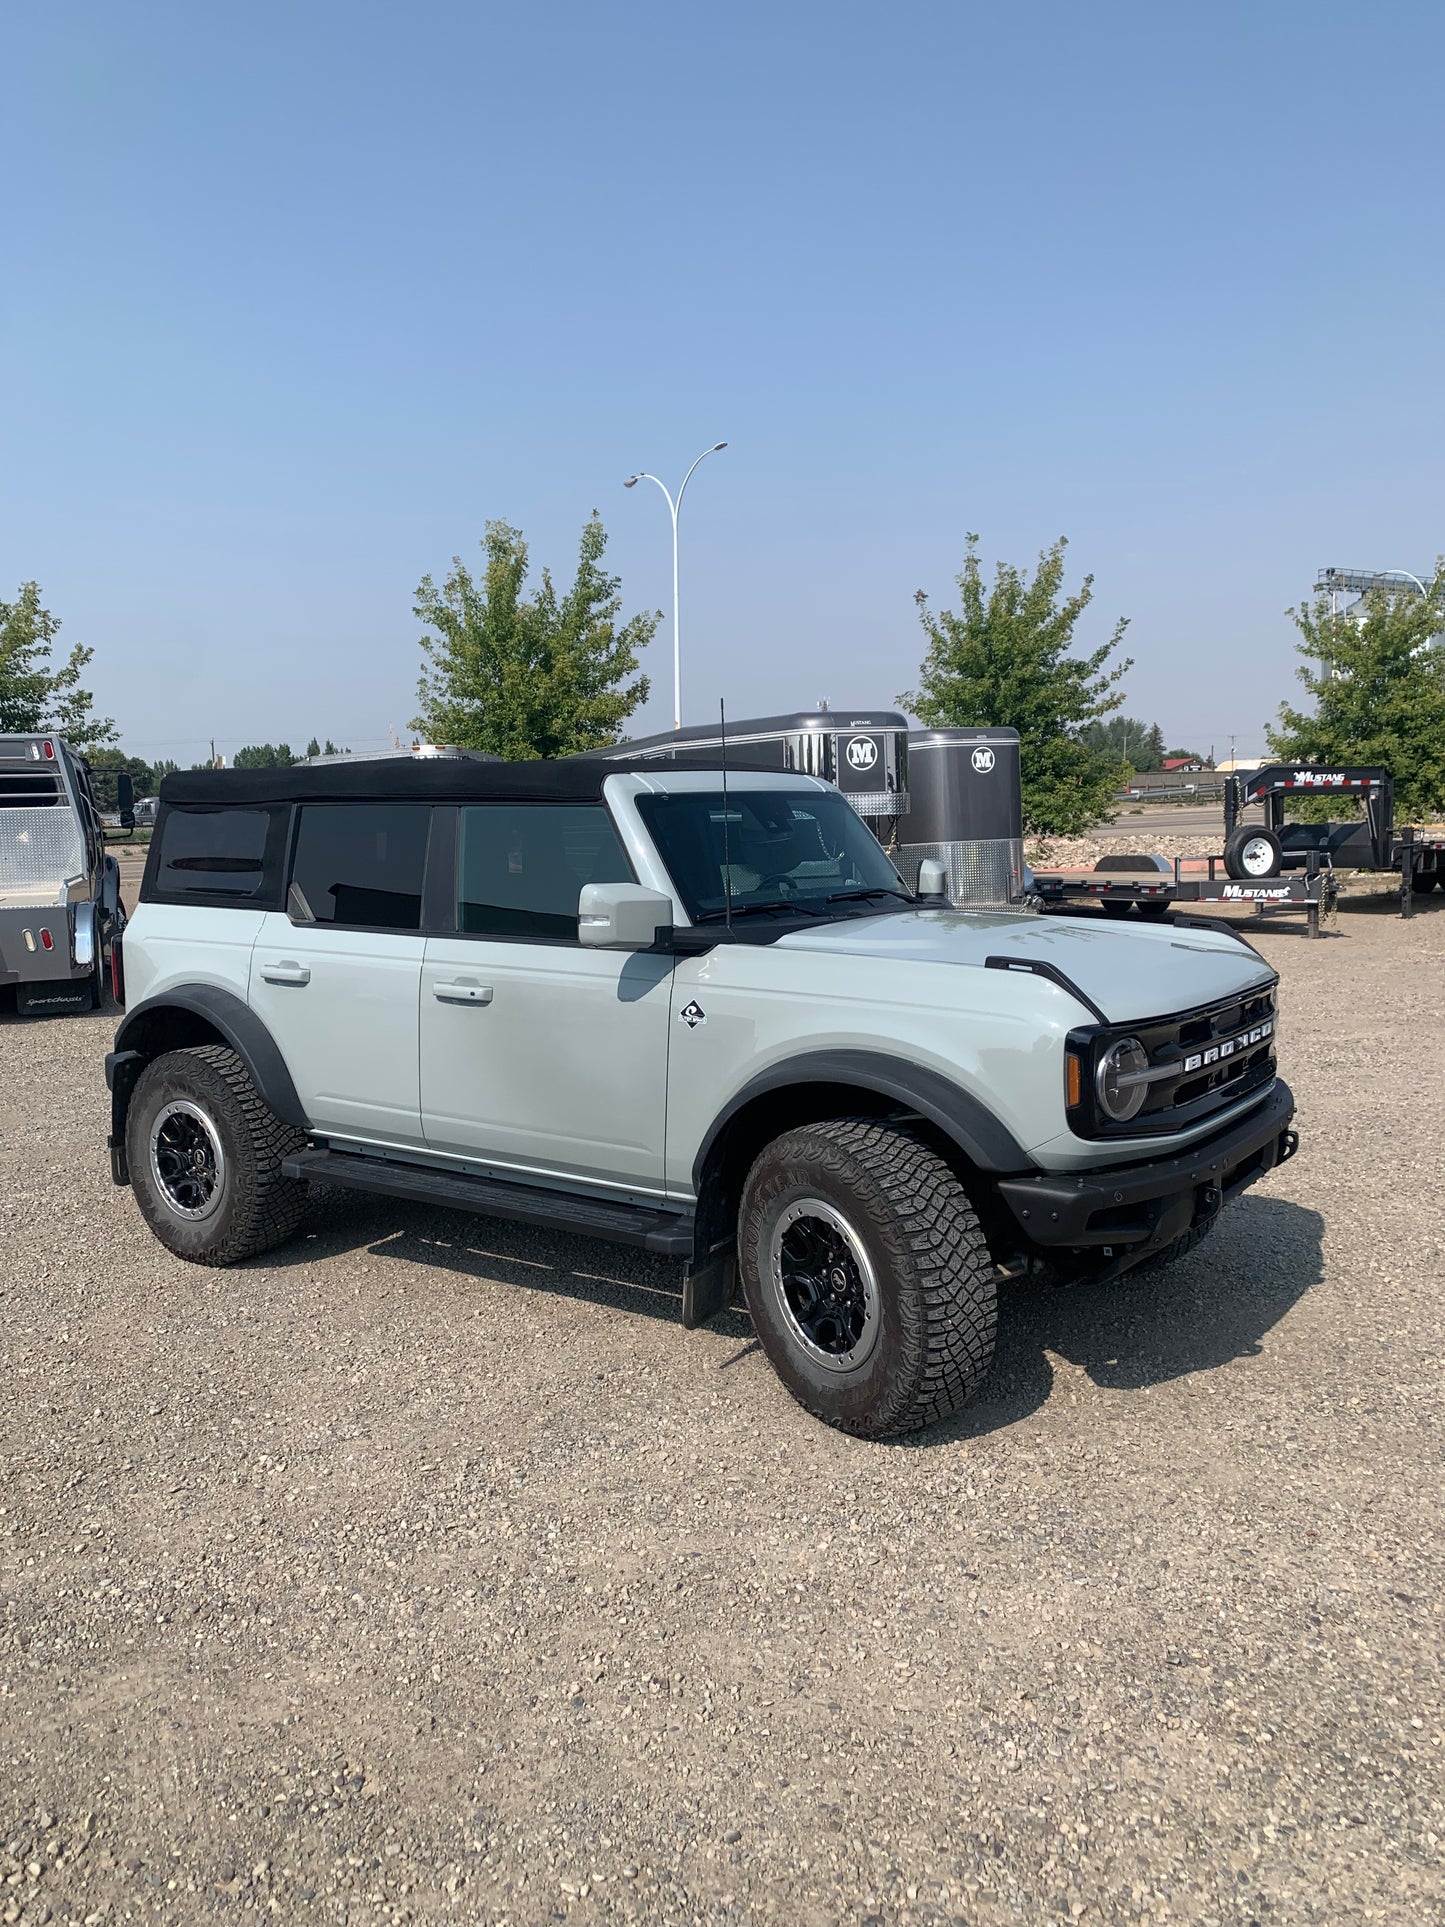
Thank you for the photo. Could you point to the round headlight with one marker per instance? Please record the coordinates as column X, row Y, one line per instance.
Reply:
column 1119, row 1098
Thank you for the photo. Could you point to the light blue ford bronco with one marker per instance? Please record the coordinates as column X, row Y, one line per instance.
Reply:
column 692, row 1010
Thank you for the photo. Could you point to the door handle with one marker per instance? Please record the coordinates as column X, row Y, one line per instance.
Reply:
column 286, row 973
column 465, row 990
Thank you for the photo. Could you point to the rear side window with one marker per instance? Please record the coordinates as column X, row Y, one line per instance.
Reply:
column 361, row 864
column 217, row 854
column 522, row 866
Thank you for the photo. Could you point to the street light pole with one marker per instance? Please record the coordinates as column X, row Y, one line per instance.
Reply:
column 643, row 475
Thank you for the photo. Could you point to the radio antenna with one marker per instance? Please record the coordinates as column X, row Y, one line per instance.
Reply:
column 722, row 716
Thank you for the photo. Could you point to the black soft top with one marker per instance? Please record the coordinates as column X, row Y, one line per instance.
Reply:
column 572, row 779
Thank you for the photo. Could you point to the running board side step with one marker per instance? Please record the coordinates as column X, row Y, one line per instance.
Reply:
column 666, row 1232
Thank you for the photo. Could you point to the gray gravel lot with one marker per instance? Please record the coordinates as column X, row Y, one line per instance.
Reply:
column 427, row 1570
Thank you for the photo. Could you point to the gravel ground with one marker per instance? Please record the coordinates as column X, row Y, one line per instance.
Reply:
column 427, row 1570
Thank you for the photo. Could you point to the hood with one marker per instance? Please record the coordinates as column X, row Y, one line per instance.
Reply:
column 1130, row 973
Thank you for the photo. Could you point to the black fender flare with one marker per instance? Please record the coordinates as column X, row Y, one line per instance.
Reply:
column 145, row 1033
column 987, row 1144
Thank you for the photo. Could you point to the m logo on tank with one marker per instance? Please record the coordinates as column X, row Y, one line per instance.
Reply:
column 983, row 761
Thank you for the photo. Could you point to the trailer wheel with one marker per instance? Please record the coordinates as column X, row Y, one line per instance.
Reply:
column 1250, row 854
column 1424, row 880
column 866, row 1275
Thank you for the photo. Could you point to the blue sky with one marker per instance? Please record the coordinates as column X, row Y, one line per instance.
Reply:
column 297, row 297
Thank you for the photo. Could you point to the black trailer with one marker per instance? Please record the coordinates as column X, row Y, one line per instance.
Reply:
column 863, row 751
column 1153, row 887
column 966, row 812
column 1255, row 853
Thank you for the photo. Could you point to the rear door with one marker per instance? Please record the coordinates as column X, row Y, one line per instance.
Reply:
column 335, row 977
column 539, row 1057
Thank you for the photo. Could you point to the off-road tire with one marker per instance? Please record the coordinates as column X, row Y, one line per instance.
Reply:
column 255, row 1207
column 936, row 1291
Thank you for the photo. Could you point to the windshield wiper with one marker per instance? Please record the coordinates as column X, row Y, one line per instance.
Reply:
column 860, row 896
column 794, row 905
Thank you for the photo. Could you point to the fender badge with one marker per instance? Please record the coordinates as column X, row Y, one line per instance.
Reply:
column 693, row 1014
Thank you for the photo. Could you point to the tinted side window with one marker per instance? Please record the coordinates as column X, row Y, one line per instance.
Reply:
column 521, row 866
column 362, row 863
column 211, row 853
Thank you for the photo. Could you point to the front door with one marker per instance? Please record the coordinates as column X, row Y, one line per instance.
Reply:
column 540, row 1058
column 336, row 979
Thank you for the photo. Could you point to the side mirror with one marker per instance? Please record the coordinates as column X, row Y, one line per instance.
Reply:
column 125, row 799
column 932, row 880
column 622, row 916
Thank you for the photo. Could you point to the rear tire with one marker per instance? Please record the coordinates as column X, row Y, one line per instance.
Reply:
column 866, row 1274
column 205, row 1152
column 1424, row 881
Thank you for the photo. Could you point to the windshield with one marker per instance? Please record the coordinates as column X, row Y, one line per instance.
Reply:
column 781, row 850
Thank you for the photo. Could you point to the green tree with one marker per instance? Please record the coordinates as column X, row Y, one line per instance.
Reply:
column 524, row 678
column 161, row 770
column 107, row 764
column 33, row 696
column 313, row 748
column 263, row 756
column 1378, row 683
column 1140, row 745
column 1002, row 659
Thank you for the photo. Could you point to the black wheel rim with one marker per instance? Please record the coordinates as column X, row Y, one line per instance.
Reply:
column 824, row 1284
column 187, row 1162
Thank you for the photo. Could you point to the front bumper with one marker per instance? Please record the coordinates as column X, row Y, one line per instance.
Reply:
column 1131, row 1210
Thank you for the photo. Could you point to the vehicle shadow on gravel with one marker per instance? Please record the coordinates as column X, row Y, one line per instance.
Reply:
column 1205, row 1310
column 493, row 1251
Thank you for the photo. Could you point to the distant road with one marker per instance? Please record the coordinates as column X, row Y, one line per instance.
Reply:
column 1175, row 819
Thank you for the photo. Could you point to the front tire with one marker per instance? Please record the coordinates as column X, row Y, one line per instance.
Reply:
column 205, row 1152
column 867, row 1277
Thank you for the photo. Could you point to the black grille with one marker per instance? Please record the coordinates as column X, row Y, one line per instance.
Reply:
column 1208, row 1059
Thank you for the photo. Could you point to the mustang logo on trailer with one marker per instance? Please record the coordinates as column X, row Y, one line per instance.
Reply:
column 862, row 753
column 983, row 761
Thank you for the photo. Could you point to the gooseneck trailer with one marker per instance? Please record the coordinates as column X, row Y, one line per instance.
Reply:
column 1370, row 841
